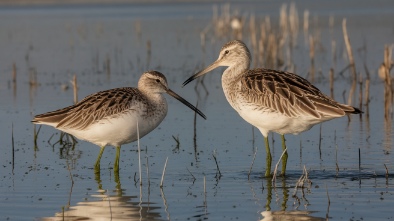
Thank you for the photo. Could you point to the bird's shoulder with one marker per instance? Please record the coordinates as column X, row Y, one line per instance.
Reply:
column 100, row 105
column 287, row 93
column 275, row 81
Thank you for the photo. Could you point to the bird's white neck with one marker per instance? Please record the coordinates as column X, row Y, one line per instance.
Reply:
column 234, row 72
column 231, row 81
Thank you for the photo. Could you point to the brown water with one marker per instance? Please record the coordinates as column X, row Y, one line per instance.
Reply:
column 56, row 42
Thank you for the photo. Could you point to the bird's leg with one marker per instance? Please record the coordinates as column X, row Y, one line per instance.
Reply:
column 97, row 177
column 268, row 158
column 97, row 165
column 116, row 164
column 285, row 155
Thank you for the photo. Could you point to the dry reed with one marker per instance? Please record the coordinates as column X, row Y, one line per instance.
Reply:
column 251, row 166
column 293, row 24
column 194, row 178
column 360, row 95
column 312, row 57
column 139, row 153
column 14, row 74
column 75, row 88
column 306, row 27
column 276, row 167
column 13, row 147
column 164, row 171
column 253, row 39
column 205, row 193
column 329, row 203
column 351, row 62
column 388, row 89
column 217, row 166
column 320, row 138
column 332, row 83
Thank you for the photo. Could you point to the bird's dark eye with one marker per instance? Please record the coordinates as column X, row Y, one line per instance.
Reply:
column 226, row 51
column 157, row 80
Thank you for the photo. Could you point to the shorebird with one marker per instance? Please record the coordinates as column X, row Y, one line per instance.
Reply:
column 272, row 100
column 111, row 117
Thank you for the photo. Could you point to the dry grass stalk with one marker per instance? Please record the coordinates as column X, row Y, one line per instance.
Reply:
column 261, row 43
column 14, row 74
column 253, row 38
column 351, row 93
column 14, row 78
column 283, row 21
column 163, row 196
column 276, row 167
column 217, row 166
column 194, row 178
column 360, row 95
column 202, row 40
column 302, row 181
column 283, row 36
column 251, row 166
column 164, row 171
column 359, row 159
column 367, row 82
column 320, row 138
column 33, row 77
column 293, row 24
column 139, row 153
column 272, row 51
column 332, row 83
column 306, row 27
column 205, row 193
column 222, row 21
column 13, row 146
column 148, row 53
column 329, row 203
column 388, row 90
column 388, row 49
column 336, row 156
column 334, row 53
column 147, row 171
column 387, row 171
column 36, row 132
column 75, row 88
column 331, row 24
column 351, row 61
column 195, row 133
column 312, row 57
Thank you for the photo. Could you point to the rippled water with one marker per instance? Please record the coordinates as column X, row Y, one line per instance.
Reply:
column 51, row 181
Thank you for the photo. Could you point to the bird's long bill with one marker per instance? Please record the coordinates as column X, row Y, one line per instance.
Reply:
column 179, row 98
column 201, row 73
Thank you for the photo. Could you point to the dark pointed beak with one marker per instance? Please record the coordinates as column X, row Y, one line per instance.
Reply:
column 201, row 73
column 179, row 98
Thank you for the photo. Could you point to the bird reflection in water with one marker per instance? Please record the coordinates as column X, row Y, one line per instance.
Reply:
column 283, row 214
column 102, row 206
column 289, row 215
column 110, row 205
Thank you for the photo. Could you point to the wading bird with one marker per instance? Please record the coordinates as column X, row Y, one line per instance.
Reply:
column 111, row 117
column 272, row 100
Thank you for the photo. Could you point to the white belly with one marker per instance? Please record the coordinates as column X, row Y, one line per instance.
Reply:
column 276, row 122
column 117, row 131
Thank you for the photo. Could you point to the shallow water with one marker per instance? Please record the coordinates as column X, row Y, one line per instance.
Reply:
column 56, row 42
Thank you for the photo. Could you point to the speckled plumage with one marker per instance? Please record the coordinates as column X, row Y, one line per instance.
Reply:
column 272, row 100
column 110, row 117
